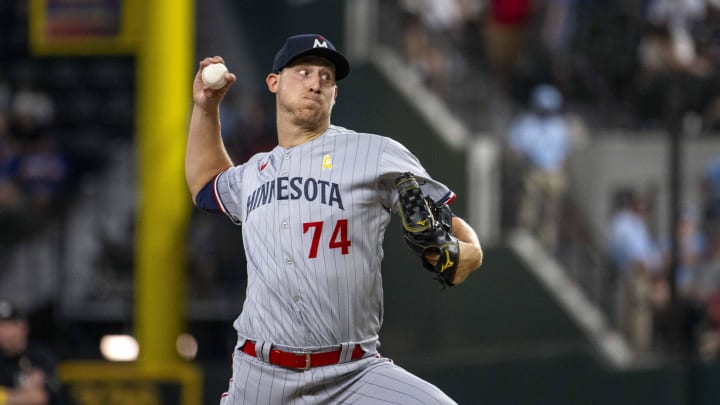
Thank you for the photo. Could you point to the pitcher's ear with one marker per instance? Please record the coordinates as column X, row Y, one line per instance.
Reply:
column 272, row 80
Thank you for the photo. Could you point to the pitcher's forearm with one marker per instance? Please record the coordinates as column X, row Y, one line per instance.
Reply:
column 471, row 257
column 471, row 254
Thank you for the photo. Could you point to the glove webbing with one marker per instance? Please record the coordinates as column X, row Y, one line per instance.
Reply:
column 427, row 227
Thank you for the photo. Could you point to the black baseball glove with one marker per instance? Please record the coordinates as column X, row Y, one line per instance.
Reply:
column 427, row 227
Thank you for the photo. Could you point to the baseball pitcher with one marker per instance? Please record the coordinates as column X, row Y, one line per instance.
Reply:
column 313, row 212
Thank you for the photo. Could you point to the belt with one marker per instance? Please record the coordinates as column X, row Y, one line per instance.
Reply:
column 302, row 361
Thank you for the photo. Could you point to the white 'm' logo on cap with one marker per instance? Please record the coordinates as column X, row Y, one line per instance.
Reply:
column 320, row 44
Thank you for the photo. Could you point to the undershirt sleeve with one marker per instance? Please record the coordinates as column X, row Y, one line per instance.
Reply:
column 205, row 199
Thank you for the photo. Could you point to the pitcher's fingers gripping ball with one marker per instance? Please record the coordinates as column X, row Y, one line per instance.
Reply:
column 427, row 227
column 213, row 75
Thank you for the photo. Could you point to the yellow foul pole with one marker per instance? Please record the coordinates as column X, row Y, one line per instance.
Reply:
column 165, row 68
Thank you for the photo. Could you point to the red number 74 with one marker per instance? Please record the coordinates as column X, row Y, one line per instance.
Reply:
column 338, row 239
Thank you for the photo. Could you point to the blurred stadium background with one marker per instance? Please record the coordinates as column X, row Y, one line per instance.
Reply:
column 98, row 237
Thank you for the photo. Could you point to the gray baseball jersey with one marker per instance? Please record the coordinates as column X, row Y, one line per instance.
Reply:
column 313, row 221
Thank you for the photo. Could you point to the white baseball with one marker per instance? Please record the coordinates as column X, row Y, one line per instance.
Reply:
column 213, row 75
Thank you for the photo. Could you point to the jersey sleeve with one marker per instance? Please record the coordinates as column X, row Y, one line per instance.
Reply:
column 395, row 160
column 227, row 188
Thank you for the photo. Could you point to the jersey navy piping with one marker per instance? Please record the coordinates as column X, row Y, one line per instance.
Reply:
column 220, row 203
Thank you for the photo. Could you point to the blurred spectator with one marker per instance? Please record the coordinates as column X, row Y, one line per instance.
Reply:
column 505, row 33
column 706, row 331
column 710, row 193
column 708, row 282
column 692, row 245
column 540, row 144
column 429, row 29
column 557, row 28
column 42, row 174
column 27, row 369
column 33, row 172
column 13, row 213
column 556, row 56
column 690, row 284
column 673, row 45
column 437, row 16
column 638, row 262
column 9, row 156
column 678, row 15
column 669, row 61
column 33, row 111
column 709, row 330
column 708, row 44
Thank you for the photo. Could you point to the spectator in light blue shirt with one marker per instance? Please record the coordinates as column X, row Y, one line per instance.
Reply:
column 541, row 135
column 539, row 139
column 639, row 262
column 631, row 246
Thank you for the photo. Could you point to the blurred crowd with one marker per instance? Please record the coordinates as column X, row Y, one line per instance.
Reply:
column 661, row 284
column 619, row 63
column 563, row 67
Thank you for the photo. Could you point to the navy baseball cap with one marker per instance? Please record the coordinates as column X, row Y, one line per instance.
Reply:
column 311, row 44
